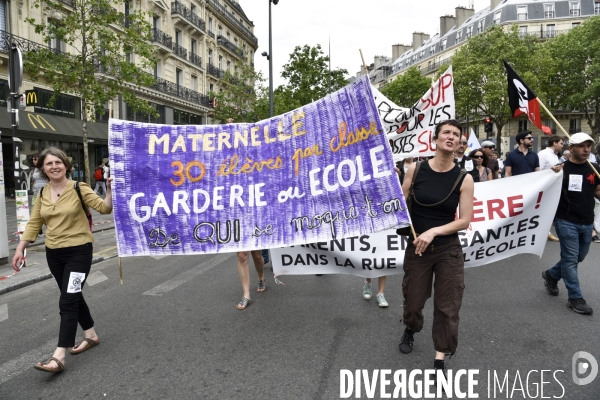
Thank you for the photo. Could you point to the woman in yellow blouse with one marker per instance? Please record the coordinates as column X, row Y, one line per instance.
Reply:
column 68, row 249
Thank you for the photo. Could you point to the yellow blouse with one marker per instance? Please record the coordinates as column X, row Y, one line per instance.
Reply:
column 66, row 222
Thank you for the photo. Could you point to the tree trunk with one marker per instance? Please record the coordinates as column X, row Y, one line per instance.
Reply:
column 86, row 158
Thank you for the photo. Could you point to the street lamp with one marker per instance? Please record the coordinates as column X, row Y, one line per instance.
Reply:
column 270, row 58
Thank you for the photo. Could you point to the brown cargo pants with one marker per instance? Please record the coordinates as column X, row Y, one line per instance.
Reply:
column 447, row 263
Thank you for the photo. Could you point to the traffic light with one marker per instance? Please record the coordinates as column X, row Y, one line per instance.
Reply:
column 489, row 125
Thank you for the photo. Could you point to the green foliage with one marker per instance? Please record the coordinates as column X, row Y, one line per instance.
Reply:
column 575, row 81
column 480, row 85
column 242, row 97
column 101, row 42
column 307, row 76
column 408, row 88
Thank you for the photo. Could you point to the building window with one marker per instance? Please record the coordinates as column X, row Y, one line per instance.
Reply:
column 469, row 31
column 522, row 31
column 56, row 45
column 220, row 30
column 210, row 52
column 178, row 37
column 521, row 13
column 63, row 105
column 141, row 117
column 220, row 62
column 549, row 10
column 497, row 17
column 186, row 118
column 574, row 24
column 443, row 44
column 596, row 8
column 574, row 125
column 194, row 83
column 432, row 50
column 193, row 46
column 229, row 66
column 459, row 36
column 480, row 26
column 179, row 77
column 550, row 32
column 574, row 9
column 422, row 53
column 522, row 125
column 210, row 29
column 211, row 88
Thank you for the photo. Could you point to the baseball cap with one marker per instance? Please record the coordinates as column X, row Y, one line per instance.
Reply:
column 488, row 143
column 579, row 138
column 522, row 135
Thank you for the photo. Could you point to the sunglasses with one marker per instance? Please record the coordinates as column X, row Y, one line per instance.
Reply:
column 477, row 157
column 529, row 138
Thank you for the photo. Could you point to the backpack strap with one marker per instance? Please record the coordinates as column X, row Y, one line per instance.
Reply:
column 83, row 205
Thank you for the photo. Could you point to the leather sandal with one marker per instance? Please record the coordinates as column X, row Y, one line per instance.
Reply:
column 90, row 343
column 245, row 302
column 261, row 286
column 42, row 366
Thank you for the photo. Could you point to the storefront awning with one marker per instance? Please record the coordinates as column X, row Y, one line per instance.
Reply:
column 50, row 127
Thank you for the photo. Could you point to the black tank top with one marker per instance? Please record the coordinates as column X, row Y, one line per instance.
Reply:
column 432, row 187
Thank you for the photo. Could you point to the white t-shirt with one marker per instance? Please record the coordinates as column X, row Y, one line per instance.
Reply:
column 106, row 173
column 548, row 158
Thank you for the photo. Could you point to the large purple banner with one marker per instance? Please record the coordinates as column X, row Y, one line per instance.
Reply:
column 321, row 172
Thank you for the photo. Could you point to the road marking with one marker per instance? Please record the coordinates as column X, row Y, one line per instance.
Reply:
column 187, row 275
column 158, row 257
column 108, row 249
column 18, row 365
column 3, row 312
column 95, row 277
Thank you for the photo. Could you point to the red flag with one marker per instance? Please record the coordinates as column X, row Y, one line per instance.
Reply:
column 522, row 100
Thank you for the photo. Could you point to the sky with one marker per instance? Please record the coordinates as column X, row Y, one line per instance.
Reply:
column 372, row 26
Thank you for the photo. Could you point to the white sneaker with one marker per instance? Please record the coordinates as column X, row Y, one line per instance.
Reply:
column 381, row 300
column 367, row 291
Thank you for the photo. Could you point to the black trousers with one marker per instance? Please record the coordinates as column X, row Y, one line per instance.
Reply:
column 70, row 267
column 446, row 262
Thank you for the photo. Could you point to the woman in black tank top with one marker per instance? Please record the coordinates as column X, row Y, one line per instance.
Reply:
column 439, row 189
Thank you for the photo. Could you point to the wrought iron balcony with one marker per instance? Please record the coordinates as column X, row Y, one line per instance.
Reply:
column 196, row 59
column 26, row 46
column 212, row 35
column 179, row 8
column 179, row 91
column 162, row 38
column 214, row 71
column 231, row 19
column 179, row 51
column 70, row 3
column 232, row 48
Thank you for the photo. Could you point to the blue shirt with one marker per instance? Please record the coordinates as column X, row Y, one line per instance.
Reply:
column 521, row 163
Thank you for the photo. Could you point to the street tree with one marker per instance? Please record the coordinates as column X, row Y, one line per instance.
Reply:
column 308, row 79
column 575, row 84
column 242, row 96
column 480, row 85
column 408, row 88
column 96, row 53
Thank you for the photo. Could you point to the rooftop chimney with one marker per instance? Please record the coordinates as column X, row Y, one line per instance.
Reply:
column 463, row 14
column 418, row 39
column 398, row 50
column 446, row 23
column 494, row 4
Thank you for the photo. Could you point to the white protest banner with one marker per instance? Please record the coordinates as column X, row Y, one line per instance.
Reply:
column 473, row 143
column 411, row 130
column 510, row 216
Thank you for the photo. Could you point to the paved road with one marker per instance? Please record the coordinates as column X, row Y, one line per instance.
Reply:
column 172, row 331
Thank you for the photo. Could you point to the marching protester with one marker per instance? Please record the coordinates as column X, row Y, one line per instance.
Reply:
column 574, row 220
column 436, row 188
column 465, row 162
column 63, row 206
column 99, row 177
column 484, row 174
column 522, row 160
column 565, row 156
column 496, row 157
column 488, row 148
column 549, row 160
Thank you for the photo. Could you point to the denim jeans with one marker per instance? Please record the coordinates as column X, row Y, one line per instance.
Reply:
column 575, row 242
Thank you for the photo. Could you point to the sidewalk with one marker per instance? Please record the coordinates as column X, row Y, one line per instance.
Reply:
column 37, row 268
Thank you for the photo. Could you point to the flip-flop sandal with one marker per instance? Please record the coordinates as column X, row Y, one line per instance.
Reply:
column 261, row 286
column 245, row 302
column 90, row 343
column 42, row 366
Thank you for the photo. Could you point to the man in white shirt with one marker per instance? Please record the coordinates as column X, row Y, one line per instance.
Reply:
column 549, row 159
column 549, row 156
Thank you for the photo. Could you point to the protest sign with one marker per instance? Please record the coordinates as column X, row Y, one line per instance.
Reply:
column 411, row 129
column 320, row 172
column 510, row 216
